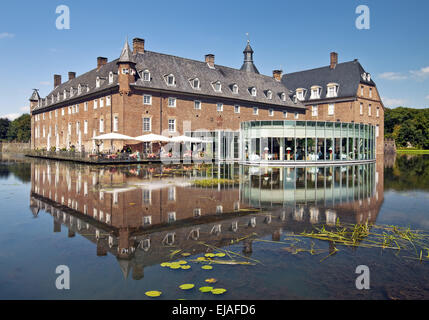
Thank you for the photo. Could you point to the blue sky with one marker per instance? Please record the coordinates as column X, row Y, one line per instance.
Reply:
column 291, row 35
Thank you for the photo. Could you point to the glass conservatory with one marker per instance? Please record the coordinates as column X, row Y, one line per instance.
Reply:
column 306, row 141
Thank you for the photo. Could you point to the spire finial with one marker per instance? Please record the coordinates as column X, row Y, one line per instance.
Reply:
column 247, row 35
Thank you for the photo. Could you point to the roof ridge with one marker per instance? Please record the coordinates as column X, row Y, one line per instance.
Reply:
column 327, row 66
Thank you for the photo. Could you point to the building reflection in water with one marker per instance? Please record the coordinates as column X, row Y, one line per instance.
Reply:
column 140, row 214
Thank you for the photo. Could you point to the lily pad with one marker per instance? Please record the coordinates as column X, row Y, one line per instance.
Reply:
column 218, row 291
column 175, row 266
column 153, row 294
column 182, row 262
column 207, row 267
column 211, row 280
column 165, row 264
column 206, row 289
column 186, row 254
column 209, row 255
column 185, row 267
column 220, row 254
column 186, row 286
column 201, row 259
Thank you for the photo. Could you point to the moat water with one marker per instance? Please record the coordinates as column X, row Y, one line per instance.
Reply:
column 113, row 227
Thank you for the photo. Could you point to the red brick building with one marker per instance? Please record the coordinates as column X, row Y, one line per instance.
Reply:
column 147, row 92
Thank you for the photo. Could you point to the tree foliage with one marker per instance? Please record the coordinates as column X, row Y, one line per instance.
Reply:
column 407, row 126
column 4, row 127
column 20, row 129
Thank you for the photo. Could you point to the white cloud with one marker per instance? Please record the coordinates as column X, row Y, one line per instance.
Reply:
column 4, row 35
column 24, row 109
column 422, row 73
column 392, row 102
column 393, row 76
column 11, row 116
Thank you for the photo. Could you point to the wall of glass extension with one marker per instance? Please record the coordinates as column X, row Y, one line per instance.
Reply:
column 306, row 142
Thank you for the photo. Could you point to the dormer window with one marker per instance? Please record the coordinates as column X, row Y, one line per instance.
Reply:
column 79, row 89
column 300, row 94
column 170, row 80
column 283, row 96
column 58, row 96
column 332, row 90
column 97, row 82
column 146, row 75
column 269, row 94
column 217, row 86
column 315, row 92
column 52, row 99
column 110, row 77
column 64, row 94
column 253, row 91
column 87, row 88
column 71, row 92
column 195, row 83
column 235, row 89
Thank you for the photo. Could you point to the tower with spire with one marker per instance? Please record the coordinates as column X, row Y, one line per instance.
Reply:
column 126, row 69
column 248, row 65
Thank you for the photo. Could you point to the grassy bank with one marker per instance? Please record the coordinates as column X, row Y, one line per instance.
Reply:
column 412, row 151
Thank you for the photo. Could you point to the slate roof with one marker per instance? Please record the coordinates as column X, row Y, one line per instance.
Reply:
column 348, row 75
column 160, row 65
column 86, row 80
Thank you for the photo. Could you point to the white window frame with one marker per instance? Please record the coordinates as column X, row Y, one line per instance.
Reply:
column 285, row 114
column 148, row 123
column 361, row 108
column 95, row 103
column 253, row 92
column 315, row 92
column 108, row 100
column 85, row 127
column 145, row 101
column 198, row 84
column 172, row 125
column 101, row 127
column 369, row 110
column 296, row 115
column 197, row 104
column 235, row 89
column 146, row 75
column 85, row 106
column 172, row 99
column 236, row 108
column 271, row 112
column 110, row 77
column 314, row 111
column 173, row 78
column 255, row 111
column 215, row 84
column 331, row 109
column 269, row 95
column 219, row 107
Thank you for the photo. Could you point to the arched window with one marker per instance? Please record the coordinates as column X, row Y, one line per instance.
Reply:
column 195, row 83
column 283, row 96
column 170, row 79
column 269, row 94
column 217, row 86
column 253, row 91
column 146, row 75
column 235, row 88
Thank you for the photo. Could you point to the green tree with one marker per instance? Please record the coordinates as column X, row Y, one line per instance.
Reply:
column 4, row 127
column 20, row 129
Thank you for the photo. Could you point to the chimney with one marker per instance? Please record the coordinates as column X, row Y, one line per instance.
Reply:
column 334, row 60
column 72, row 75
column 138, row 45
column 101, row 61
column 57, row 80
column 210, row 60
column 277, row 74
